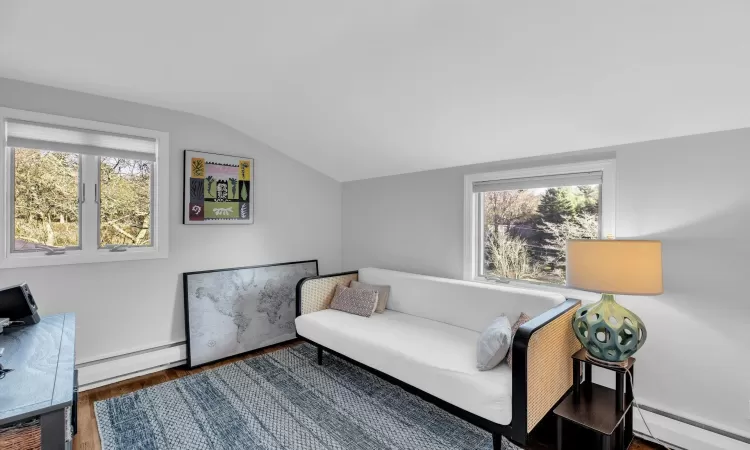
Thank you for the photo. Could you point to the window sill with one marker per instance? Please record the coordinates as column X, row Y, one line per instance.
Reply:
column 79, row 257
column 583, row 296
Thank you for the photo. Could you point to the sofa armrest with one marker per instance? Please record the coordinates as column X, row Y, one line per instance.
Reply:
column 542, row 365
column 315, row 293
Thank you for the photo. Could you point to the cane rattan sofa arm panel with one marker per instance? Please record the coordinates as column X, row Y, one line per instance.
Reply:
column 542, row 365
column 549, row 367
column 315, row 293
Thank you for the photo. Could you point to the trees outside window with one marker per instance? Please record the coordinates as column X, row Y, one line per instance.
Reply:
column 45, row 205
column 47, row 208
column 526, row 230
column 125, row 205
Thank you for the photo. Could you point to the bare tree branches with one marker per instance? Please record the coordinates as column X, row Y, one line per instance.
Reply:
column 125, row 202
column 46, row 199
column 510, row 258
column 582, row 226
column 526, row 231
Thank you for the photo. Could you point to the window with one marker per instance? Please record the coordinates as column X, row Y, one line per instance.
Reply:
column 518, row 222
column 46, row 208
column 82, row 191
column 125, row 202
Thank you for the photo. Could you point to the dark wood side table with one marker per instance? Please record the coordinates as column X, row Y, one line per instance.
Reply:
column 607, row 412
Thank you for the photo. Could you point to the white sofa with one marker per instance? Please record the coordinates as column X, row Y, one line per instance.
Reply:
column 426, row 339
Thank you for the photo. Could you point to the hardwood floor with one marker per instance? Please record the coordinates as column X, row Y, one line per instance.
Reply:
column 88, row 434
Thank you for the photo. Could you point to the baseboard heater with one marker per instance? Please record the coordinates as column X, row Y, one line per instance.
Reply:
column 693, row 423
column 115, row 368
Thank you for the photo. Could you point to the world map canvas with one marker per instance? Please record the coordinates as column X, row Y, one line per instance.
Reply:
column 218, row 189
column 233, row 311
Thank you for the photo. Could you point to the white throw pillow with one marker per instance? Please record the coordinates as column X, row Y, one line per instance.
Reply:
column 494, row 343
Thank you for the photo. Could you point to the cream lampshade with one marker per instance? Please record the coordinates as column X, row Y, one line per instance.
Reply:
column 609, row 331
column 615, row 267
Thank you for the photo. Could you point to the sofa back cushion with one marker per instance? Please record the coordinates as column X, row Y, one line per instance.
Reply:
column 460, row 303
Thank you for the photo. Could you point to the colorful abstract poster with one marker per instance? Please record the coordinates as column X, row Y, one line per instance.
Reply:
column 218, row 189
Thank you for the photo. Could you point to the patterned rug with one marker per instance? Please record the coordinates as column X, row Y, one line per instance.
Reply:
column 281, row 400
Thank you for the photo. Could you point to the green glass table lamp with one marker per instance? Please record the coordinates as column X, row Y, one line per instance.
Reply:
column 609, row 332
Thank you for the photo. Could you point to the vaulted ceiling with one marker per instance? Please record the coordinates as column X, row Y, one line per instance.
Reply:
column 365, row 88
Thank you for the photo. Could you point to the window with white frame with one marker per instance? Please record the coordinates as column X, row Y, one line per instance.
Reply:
column 81, row 191
column 518, row 222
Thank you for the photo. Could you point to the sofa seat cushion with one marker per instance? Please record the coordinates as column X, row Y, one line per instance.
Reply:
column 435, row 357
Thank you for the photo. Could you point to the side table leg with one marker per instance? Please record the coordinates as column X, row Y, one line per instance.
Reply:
column 629, row 382
column 606, row 442
column 576, row 381
column 628, row 428
column 627, row 425
column 620, row 391
column 559, row 433
column 53, row 430
column 588, row 382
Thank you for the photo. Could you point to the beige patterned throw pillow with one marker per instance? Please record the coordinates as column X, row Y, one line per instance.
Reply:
column 361, row 302
column 337, row 291
column 383, row 293
column 521, row 320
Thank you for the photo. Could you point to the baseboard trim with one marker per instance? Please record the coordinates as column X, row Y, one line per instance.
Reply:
column 112, row 369
column 685, row 434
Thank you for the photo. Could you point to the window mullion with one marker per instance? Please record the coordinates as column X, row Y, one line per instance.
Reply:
column 90, row 209
column 480, row 234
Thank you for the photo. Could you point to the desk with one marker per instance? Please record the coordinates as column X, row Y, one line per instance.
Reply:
column 42, row 385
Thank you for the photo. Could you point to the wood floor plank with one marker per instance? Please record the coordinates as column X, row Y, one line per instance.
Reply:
column 88, row 433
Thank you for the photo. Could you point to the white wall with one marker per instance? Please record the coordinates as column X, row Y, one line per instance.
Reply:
column 692, row 193
column 125, row 306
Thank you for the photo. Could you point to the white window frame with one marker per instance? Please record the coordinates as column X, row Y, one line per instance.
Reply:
column 89, row 242
column 473, row 223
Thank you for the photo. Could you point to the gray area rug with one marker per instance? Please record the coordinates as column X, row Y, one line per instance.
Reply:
column 281, row 400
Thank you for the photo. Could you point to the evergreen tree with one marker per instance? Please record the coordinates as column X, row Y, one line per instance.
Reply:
column 555, row 205
column 588, row 200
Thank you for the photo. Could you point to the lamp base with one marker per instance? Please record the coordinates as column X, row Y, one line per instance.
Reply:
column 608, row 331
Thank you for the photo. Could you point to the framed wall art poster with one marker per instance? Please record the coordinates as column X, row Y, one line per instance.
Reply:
column 218, row 189
column 233, row 311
